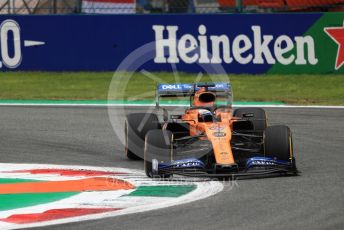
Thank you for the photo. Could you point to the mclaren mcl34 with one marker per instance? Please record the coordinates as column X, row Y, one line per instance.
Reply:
column 208, row 138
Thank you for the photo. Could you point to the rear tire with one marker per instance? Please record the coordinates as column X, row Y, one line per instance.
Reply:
column 278, row 142
column 258, row 119
column 159, row 146
column 135, row 132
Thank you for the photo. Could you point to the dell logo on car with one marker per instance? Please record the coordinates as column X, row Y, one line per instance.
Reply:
column 175, row 87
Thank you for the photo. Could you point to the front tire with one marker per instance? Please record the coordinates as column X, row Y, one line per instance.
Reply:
column 278, row 142
column 135, row 129
column 159, row 146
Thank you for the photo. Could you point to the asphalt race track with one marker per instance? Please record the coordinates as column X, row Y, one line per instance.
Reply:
column 84, row 136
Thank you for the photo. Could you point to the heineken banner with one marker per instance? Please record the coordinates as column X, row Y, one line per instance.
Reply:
column 240, row 43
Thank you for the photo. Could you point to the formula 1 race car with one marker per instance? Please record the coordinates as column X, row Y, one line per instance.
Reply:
column 209, row 138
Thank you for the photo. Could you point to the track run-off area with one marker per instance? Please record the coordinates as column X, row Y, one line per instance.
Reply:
column 78, row 144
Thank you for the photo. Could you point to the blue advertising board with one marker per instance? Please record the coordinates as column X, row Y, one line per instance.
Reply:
column 240, row 43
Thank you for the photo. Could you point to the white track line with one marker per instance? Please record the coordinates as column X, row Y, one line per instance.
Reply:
column 170, row 105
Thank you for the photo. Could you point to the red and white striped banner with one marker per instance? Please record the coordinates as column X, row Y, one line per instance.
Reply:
column 109, row 6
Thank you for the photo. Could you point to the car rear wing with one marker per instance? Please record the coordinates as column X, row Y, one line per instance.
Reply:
column 177, row 90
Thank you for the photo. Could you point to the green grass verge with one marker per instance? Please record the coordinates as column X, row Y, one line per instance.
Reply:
column 292, row 89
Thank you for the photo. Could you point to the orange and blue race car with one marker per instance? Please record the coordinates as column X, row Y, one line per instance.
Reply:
column 209, row 138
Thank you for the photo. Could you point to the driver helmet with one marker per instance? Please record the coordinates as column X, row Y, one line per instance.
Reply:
column 204, row 115
column 204, row 98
